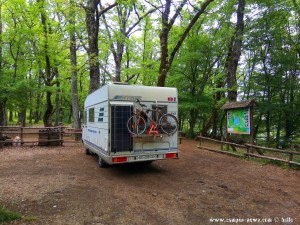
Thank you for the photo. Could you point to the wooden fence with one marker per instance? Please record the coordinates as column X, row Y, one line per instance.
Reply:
column 248, row 150
column 41, row 136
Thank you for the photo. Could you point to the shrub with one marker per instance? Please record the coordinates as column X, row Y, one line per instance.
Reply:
column 7, row 215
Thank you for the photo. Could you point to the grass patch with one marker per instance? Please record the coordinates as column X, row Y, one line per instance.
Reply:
column 30, row 218
column 7, row 215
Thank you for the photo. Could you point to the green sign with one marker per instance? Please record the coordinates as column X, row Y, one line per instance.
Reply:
column 238, row 121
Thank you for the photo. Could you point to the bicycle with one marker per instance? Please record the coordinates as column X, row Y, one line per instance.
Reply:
column 137, row 124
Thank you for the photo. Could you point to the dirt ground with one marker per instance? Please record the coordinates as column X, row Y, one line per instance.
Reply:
column 62, row 185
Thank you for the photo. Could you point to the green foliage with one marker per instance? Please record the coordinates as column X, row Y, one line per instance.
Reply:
column 7, row 215
column 272, row 68
column 268, row 70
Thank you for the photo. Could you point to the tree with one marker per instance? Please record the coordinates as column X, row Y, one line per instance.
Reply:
column 193, row 70
column 3, row 99
column 166, row 59
column 73, row 62
column 125, row 26
column 270, row 76
column 92, row 25
column 50, row 72
column 234, row 52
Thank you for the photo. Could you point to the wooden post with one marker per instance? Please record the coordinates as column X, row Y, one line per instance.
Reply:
column 21, row 134
column 248, row 151
column 251, row 137
column 200, row 140
column 222, row 144
column 61, row 135
column 291, row 159
column 227, row 146
column 291, row 155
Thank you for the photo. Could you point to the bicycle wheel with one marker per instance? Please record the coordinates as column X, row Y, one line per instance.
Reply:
column 136, row 125
column 168, row 124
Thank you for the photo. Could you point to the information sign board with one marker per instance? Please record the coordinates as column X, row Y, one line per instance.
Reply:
column 238, row 121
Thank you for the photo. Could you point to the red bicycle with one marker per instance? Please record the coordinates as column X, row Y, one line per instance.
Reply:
column 163, row 123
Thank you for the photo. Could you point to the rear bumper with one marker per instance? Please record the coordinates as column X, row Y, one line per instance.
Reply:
column 137, row 155
column 141, row 157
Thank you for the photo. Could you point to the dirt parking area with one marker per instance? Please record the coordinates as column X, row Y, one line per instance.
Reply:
column 62, row 185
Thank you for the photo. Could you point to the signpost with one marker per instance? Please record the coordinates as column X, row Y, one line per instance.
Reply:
column 239, row 118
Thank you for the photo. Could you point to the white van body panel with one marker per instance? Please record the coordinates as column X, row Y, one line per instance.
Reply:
column 106, row 112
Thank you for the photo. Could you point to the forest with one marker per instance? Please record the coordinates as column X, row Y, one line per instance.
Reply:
column 53, row 53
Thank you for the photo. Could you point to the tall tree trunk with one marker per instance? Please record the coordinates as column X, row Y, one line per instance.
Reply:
column 289, row 111
column 37, row 109
column 57, row 101
column 297, row 8
column 212, row 122
column 70, row 114
column 10, row 116
column 164, row 37
column 48, row 113
column 118, row 61
column 22, row 117
column 47, row 77
column 73, row 59
column 3, row 119
column 192, row 122
column 92, row 25
column 268, row 129
column 30, row 110
column 166, row 59
column 278, row 129
column 234, row 52
column 268, row 113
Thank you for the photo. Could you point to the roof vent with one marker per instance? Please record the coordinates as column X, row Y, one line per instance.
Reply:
column 120, row 83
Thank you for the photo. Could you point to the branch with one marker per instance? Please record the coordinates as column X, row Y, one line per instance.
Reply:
column 104, row 10
column 154, row 6
column 112, row 47
column 129, row 78
column 106, row 71
column 177, row 13
column 139, row 20
column 137, row 14
column 80, row 37
column 187, row 30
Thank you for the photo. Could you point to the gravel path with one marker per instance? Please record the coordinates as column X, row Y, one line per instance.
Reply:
column 61, row 185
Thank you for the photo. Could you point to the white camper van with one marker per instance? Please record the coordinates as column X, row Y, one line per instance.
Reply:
column 106, row 115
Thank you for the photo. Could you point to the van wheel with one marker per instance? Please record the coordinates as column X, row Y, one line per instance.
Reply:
column 102, row 163
column 87, row 151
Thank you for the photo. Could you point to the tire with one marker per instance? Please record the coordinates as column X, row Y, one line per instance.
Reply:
column 102, row 163
column 136, row 125
column 87, row 151
column 168, row 124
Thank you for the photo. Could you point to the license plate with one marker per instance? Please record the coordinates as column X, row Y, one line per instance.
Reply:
column 142, row 157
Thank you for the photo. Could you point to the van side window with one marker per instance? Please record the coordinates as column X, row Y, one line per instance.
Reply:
column 85, row 117
column 91, row 115
column 101, row 115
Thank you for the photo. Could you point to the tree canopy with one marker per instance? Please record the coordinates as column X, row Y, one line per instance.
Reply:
column 54, row 52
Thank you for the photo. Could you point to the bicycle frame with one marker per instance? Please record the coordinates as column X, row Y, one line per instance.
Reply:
column 154, row 125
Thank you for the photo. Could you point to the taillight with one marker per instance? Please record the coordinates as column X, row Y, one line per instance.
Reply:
column 119, row 159
column 171, row 155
